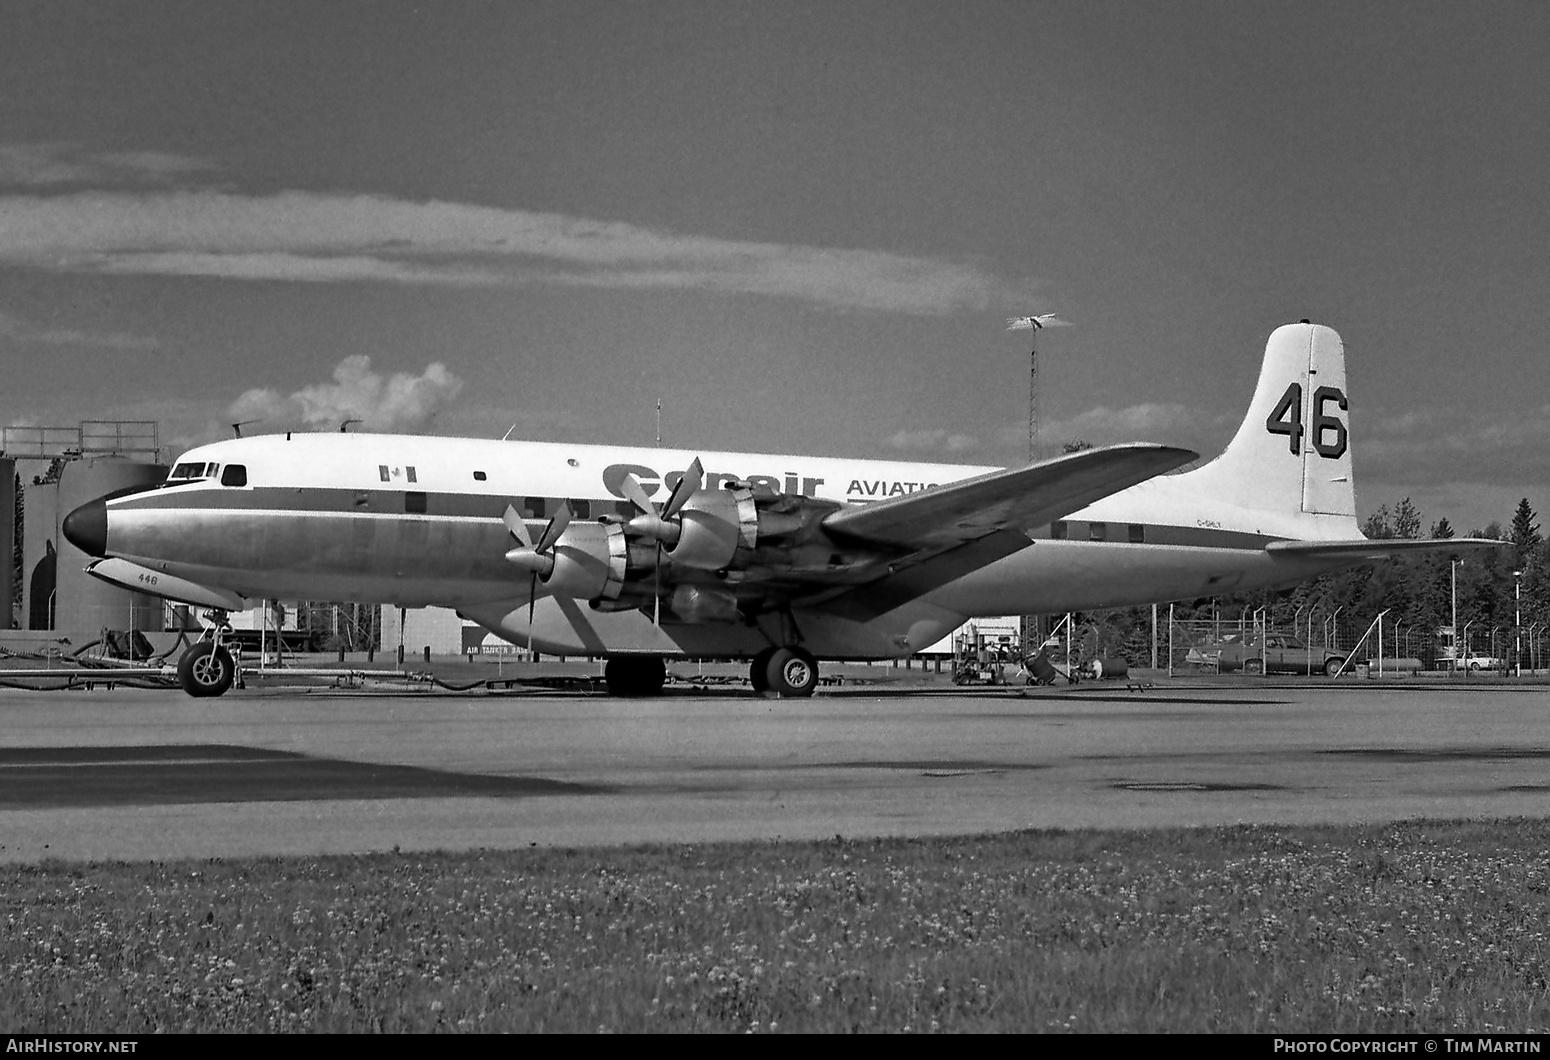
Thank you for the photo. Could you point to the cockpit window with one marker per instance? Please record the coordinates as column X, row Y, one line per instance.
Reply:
column 188, row 471
column 235, row 475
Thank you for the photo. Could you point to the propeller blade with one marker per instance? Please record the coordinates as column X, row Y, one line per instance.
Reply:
column 517, row 527
column 555, row 528
column 687, row 487
column 656, row 589
column 635, row 493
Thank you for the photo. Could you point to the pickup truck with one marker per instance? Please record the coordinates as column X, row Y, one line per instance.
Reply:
column 1281, row 654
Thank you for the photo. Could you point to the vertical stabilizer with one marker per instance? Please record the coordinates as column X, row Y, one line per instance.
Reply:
column 1292, row 452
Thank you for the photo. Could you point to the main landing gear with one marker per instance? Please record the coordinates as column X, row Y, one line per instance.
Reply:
column 788, row 672
column 207, row 667
column 635, row 675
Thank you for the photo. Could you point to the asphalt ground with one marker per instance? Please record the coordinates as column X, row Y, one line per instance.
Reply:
column 134, row 774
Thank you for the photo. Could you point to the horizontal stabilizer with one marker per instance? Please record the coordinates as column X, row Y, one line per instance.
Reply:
column 1015, row 499
column 127, row 575
column 1381, row 548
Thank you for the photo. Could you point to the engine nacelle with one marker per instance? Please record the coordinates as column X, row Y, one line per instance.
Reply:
column 712, row 525
column 703, row 603
column 589, row 562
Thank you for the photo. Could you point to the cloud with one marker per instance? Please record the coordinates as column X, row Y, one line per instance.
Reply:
column 401, row 402
column 21, row 331
column 329, row 238
column 53, row 164
column 937, row 440
column 1440, row 443
column 1147, row 421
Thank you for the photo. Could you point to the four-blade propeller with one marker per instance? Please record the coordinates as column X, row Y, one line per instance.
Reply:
column 661, row 527
column 539, row 558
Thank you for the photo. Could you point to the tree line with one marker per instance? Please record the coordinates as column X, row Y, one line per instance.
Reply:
column 1493, row 587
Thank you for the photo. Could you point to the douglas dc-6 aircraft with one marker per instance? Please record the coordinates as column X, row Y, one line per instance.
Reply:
column 640, row 555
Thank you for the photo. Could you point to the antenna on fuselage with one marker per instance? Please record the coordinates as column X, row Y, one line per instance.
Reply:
column 345, row 425
column 1035, row 323
column 236, row 428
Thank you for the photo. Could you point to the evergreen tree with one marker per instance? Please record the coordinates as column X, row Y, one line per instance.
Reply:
column 1524, row 535
column 1379, row 525
column 1407, row 520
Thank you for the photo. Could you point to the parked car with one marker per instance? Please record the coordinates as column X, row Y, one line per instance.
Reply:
column 1476, row 661
column 1207, row 654
column 1281, row 654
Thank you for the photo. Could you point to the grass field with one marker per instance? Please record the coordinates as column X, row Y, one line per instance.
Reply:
column 1431, row 926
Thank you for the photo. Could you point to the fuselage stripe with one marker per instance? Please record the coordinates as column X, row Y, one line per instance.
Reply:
column 463, row 508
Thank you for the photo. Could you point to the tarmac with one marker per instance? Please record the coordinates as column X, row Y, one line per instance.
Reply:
column 151, row 774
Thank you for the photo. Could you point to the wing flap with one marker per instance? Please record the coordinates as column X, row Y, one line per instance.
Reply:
column 1012, row 499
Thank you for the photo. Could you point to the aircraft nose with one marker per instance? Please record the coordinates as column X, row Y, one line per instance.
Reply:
column 87, row 528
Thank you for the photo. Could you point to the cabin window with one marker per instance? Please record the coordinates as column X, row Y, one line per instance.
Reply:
column 414, row 503
column 409, row 473
column 382, row 469
column 1058, row 530
column 235, row 475
column 1098, row 531
column 1137, row 534
column 581, row 509
column 534, row 508
column 480, row 476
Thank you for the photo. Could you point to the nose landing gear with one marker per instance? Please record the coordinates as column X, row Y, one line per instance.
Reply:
column 207, row 668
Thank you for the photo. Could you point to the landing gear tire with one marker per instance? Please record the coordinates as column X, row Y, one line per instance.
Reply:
column 1253, row 666
column 206, row 670
column 792, row 672
column 635, row 676
column 758, row 671
column 1332, row 667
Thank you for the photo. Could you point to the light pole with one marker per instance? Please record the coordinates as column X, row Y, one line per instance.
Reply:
column 1455, row 563
column 1517, row 620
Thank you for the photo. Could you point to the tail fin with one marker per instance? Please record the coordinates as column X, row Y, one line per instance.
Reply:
column 1292, row 453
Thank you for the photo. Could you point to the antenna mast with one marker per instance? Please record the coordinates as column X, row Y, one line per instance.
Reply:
column 1035, row 324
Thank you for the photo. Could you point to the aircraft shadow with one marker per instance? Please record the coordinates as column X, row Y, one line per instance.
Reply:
column 53, row 777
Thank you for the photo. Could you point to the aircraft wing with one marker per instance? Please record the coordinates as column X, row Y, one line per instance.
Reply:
column 1380, row 548
column 1013, row 499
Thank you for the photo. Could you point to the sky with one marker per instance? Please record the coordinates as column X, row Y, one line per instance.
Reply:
column 800, row 226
